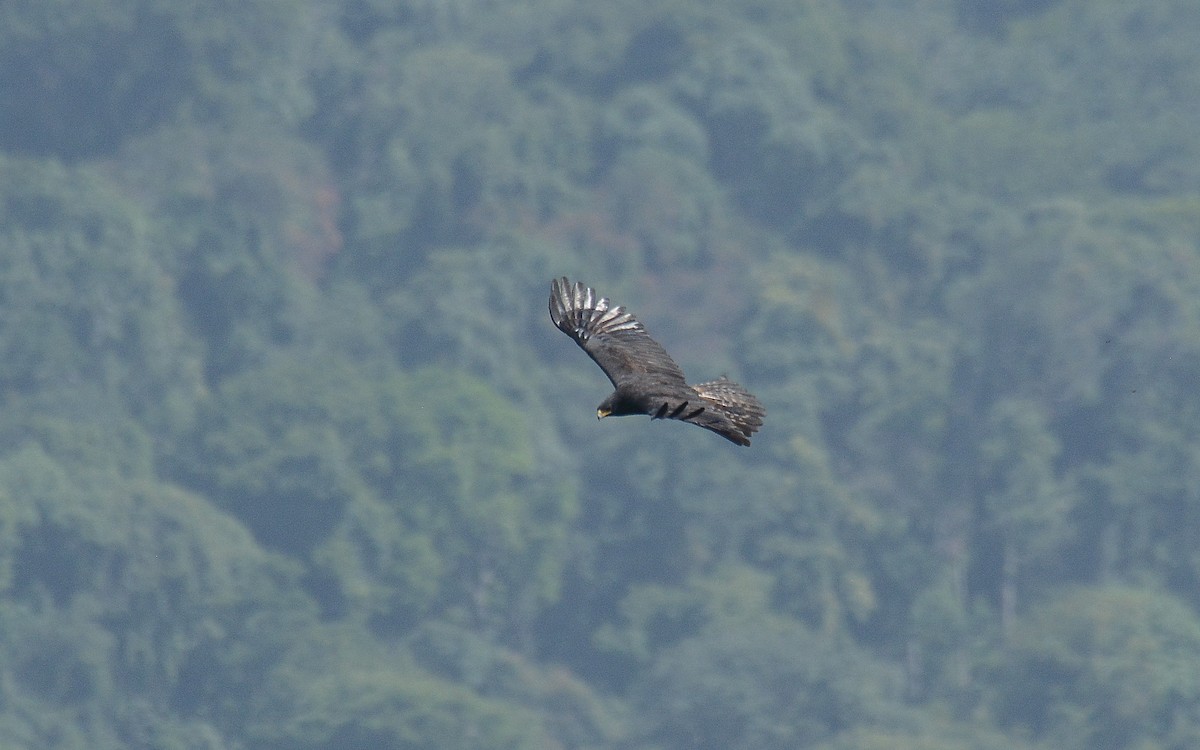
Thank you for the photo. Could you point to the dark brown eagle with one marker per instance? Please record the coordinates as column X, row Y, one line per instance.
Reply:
column 647, row 380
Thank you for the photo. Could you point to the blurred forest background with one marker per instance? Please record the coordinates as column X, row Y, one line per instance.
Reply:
column 292, row 457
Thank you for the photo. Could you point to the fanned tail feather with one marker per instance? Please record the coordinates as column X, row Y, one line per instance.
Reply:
column 735, row 403
column 647, row 380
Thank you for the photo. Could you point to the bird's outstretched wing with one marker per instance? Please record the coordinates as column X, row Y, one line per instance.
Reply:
column 610, row 335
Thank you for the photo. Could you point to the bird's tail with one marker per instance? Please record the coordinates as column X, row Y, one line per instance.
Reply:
column 733, row 401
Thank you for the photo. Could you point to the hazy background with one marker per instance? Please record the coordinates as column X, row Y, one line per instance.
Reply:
column 292, row 457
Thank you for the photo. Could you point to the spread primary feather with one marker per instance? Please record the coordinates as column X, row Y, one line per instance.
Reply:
column 646, row 379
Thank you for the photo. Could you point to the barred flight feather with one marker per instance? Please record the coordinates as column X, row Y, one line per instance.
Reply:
column 647, row 380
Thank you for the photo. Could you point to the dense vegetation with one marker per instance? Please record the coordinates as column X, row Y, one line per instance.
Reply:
column 291, row 457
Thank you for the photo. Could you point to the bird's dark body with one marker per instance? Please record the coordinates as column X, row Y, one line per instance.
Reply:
column 646, row 379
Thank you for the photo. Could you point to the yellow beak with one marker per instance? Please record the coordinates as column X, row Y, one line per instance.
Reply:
column 602, row 413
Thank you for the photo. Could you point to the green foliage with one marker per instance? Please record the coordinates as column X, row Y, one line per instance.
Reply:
column 1104, row 668
column 124, row 597
column 933, row 735
column 101, row 63
column 570, row 711
column 81, row 77
column 353, row 697
column 764, row 685
column 249, row 220
column 85, row 299
column 290, row 456
column 467, row 469
column 409, row 493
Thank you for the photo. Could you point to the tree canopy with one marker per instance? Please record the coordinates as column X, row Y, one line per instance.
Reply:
column 292, row 457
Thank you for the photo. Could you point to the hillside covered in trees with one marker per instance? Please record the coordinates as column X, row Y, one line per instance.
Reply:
column 292, row 457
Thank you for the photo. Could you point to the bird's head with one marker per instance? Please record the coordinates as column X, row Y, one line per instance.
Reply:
column 611, row 407
column 605, row 408
column 620, row 403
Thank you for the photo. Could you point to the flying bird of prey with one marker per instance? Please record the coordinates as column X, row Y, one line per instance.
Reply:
column 646, row 379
